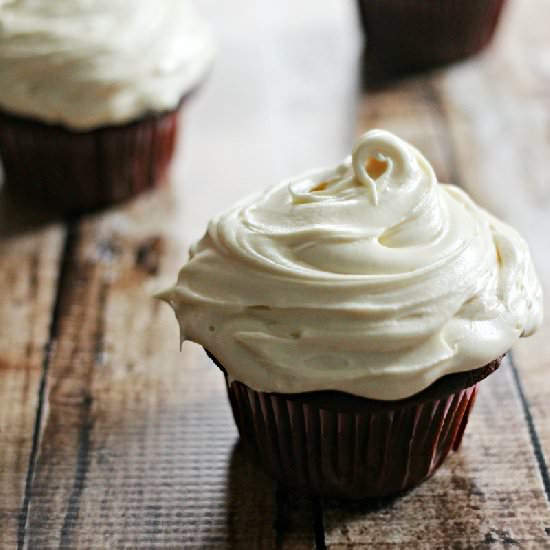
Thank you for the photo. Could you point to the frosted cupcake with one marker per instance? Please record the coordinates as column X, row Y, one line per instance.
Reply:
column 90, row 94
column 408, row 35
column 354, row 311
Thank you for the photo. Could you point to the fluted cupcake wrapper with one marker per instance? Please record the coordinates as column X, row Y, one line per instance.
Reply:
column 417, row 34
column 78, row 171
column 347, row 454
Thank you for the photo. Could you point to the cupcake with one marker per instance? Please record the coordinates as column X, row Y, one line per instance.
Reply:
column 353, row 312
column 91, row 93
column 407, row 35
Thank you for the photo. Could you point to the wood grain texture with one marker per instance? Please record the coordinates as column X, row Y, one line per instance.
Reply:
column 499, row 115
column 138, row 447
column 137, row 443
column 28, row 273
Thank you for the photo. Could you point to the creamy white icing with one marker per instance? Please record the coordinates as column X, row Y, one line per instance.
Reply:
column 88, row 63
column 370, row 278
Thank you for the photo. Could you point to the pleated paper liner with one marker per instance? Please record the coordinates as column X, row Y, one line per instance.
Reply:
column 342, row 446
column 408, row 35
column 80, row 171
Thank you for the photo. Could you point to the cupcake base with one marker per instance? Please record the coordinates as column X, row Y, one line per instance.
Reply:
column 409, row 35
column 80, row 171
column 337, row 445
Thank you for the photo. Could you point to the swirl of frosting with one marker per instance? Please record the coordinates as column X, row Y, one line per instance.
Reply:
column 371, row 278
column 88, row 63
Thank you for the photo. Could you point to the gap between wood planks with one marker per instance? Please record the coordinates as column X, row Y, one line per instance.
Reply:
column 73, row 237
column 535, row 439
column 68, row 245
column 52, row 334
column 433, row 98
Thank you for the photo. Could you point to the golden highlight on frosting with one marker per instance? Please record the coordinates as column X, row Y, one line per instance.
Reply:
column 88, row 63
column 370, row 278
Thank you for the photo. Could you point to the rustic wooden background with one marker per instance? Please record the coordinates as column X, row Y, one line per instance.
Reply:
column 111, row 438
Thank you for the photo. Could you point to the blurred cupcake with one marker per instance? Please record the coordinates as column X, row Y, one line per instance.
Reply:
column 353, row 311
column 407, row 35
column 90, row 94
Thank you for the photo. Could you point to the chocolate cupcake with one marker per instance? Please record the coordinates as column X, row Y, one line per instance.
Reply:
column 91, row 95
column 408, row 35
column 353, row 312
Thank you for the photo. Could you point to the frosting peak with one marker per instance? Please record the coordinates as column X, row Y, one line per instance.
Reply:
column 369, row 278
column 379, row 158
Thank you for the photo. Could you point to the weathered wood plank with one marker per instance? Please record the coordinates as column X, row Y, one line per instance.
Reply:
column 138, row 446
column 499, row 113
column 28, row 271
column 472, row 126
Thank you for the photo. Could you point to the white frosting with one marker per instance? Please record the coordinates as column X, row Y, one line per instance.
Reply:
column 89, row 63
column 342, row 280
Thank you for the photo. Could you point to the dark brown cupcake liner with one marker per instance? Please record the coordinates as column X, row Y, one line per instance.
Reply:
column 408, row 35
column 79, row 171
column 342, row 446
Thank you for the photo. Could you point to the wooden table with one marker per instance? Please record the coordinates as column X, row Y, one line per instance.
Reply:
column 112, row 438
